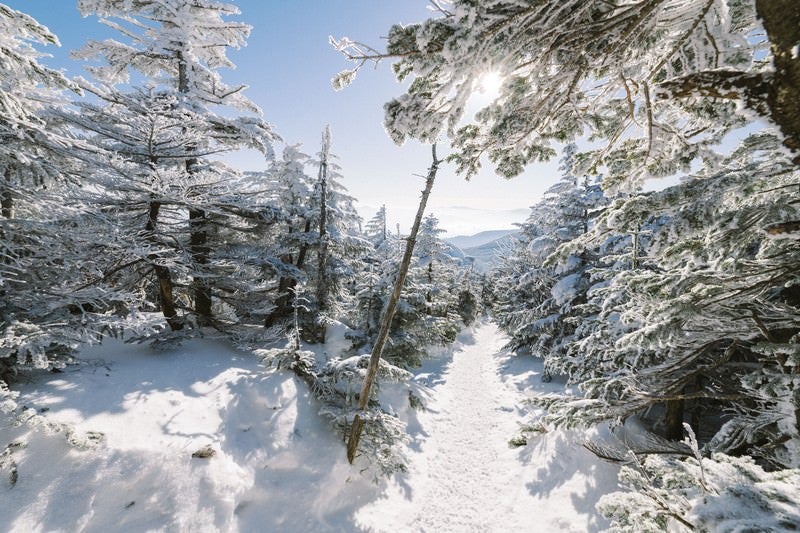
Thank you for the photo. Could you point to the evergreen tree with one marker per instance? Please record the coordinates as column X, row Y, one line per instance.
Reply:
column 338, row 246
column 158, row 139
column 292, row 237
column 609, row 67
column 375, row 228
column 373, row 282
column 711, row 328
column 43, row 315
column 437, row 301
column 318, row 221
column 540, row 290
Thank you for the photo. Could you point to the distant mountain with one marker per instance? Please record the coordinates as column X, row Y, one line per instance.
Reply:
column 485, row 246
column 479, row 239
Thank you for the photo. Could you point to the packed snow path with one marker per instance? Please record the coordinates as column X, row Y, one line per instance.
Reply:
column 464, row 476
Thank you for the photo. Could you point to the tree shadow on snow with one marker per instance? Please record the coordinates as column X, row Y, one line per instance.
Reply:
column 569, row 466
column 300, row 479
column 278, row 466
column 558, row 458
column 63, row 489
column 131, row 374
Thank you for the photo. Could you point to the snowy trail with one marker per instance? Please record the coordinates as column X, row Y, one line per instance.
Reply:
column 465, row 477
column 277, row 465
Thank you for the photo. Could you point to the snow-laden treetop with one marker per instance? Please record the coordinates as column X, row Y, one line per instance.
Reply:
column 168, row 41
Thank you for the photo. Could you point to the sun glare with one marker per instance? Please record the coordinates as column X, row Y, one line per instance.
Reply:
column 490, row 84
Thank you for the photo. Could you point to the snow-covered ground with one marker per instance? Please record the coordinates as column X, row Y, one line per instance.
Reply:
column 276, row 465
column 463, row 474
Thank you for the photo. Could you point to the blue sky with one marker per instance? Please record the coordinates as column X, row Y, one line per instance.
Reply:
column 288, row 65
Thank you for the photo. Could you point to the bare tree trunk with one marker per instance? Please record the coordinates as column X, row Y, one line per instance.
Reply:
column 166, row 298
column 781, row 19
column 635, row 251
column 301, row 256
column 674, row 419
column 428, row 295
column 283, row 303
column 198, row 246
column 383, row 222
column 391, row 307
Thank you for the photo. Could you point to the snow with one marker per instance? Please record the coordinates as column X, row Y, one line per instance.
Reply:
column 276, row 465
column 464, row 475
column 566, row 289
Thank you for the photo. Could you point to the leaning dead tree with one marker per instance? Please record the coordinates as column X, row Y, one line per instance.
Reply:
column 386, row 321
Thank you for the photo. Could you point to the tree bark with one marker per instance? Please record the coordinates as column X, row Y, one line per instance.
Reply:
column 198, row 246
column 6, row 195
column 283, row 303
column 775, row 95
column 383, row 222
column 674, row 419
column 163, row 275
column 781, row 19
column 372, row 370
column 198, row 227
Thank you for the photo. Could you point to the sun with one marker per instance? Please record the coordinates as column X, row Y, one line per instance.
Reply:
column 490, row 84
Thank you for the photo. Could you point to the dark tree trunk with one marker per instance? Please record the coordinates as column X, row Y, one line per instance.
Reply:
column 383, row 222
column 301, row 257
column 6, row 195
column 283, row 303
column 198, row 222
column 781, row 19
column 322, row 252
column 775, row 95
column 165, row 296
column 198, row 246
column 674, row 420
column 323, row 290
column 428, row 295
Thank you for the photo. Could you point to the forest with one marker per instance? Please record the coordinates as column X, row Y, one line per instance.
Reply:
column 647, row 336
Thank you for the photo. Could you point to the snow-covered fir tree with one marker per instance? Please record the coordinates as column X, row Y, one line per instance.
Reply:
column 42, row 243
column 375, row 229
column 373, row 282
column 292, row 237
column 155, row 172
column 609, row 68
column 539, row 291
column 312, row 234
column 427, row 314
column 712, row 328
column 338, row 244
